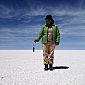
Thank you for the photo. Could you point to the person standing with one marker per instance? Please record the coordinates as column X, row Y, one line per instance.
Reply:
column 50, row 38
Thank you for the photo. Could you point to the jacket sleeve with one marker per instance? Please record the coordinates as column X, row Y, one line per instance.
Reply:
column 58, row 35
column 40, row 34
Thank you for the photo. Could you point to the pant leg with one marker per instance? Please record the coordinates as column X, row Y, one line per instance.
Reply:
column 51, row 55
column 45, row 53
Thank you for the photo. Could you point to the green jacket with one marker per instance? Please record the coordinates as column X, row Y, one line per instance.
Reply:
column 44, row 31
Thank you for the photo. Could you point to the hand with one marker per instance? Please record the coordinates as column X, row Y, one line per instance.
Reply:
column 57, row 43
column 35, row 40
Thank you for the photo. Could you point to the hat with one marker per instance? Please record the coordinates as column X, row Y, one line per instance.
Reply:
column 48, row 17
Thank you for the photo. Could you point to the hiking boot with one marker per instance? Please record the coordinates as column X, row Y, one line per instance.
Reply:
column 46, row 67
column 51, row 67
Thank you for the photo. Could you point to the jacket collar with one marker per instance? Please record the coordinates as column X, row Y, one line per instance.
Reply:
column 52, row 25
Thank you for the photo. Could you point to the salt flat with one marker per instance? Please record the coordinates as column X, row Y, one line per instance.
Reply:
column 24, row 67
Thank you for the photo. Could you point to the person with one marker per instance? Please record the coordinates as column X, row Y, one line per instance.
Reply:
column 50, row 38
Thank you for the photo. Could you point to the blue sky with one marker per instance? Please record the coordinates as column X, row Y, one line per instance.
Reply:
column 21, row 20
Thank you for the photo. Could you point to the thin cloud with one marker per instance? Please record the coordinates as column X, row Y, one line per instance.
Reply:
column 73, row 26
column 6, row 12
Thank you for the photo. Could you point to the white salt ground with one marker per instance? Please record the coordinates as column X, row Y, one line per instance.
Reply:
column 24, row 67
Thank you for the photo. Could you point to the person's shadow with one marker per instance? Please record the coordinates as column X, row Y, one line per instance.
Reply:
column 60, row 67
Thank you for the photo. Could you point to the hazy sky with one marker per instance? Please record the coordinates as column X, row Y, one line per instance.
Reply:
column 21, row 20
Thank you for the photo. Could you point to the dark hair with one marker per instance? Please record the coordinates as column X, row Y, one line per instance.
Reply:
column 52, row 21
